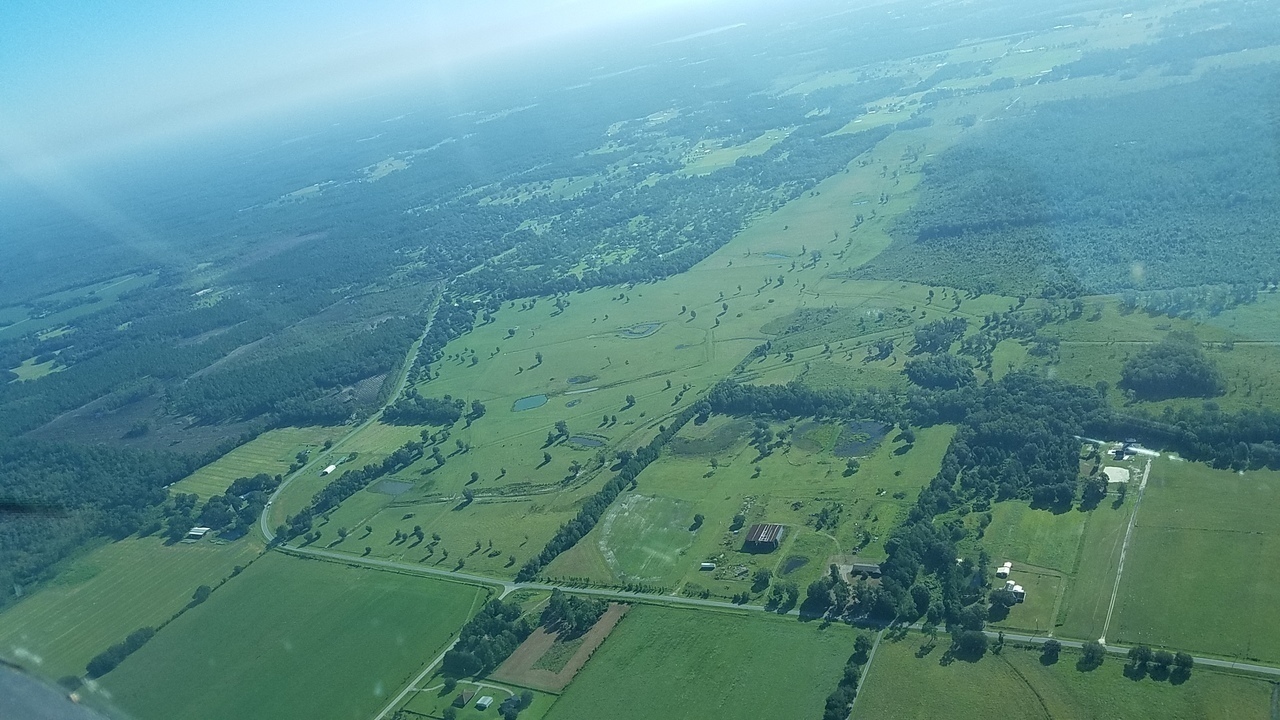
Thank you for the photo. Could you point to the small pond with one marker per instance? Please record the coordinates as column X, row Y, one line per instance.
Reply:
column 529, row 403
column 392, row 487
column 586, row 441
column 641, row 330
column 572, row 403
column 794, row 563
column 581, row 379
column 860, row 437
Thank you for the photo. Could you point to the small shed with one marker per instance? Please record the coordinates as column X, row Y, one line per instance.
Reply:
column 197, row 533
column 871, row 570
column 764, row 537
column 328, row 470
column 707, row 566
column 484, row 702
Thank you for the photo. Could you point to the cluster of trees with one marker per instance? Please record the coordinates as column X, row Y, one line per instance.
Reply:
column 413, row 409
column 572, row 615
column 348, row 484
column 1174, row 367
column 798, row 400
column 1159, row 664
column 940, row 371
column 107, row 660
column 487, row 639
column 231, row 514
column 593, row 508
column 839, row 701
column 937, row 336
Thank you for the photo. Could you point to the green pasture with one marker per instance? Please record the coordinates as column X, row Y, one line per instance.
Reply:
column 518, row 526
column 669, row 663
column 900, row 685
column 707, row 156
column 792, row 487
column 31, row 370
column 104, row 595
column 270, row 453
column 293, row 638
column 1199, row 571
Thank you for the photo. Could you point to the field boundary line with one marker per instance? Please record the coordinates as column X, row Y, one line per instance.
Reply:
column 1124, row 550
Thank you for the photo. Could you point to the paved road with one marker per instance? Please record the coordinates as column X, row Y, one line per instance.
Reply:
column 1124, row 649
column 264, row 521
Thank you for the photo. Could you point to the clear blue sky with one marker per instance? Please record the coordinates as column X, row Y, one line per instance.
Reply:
column 93, row 75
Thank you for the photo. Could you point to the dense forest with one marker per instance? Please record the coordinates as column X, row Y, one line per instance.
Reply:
column 56, row 497
column 1160, row 189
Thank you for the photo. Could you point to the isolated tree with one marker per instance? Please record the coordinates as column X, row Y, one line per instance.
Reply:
column 697, row 520
column 546, row 458
column 538, row 357
column 631, row 400
column 970, row 643
column 1050, row 650
column 562, row 428
column 469, row 495
column 475, row 476
column 342, row 533
column 1092, row 654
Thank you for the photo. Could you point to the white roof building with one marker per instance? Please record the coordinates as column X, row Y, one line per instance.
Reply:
column 329, row 469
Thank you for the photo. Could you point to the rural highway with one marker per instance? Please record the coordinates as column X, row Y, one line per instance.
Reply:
column 509, row 587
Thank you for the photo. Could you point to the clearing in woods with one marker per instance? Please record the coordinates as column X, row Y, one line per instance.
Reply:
column 523, row 667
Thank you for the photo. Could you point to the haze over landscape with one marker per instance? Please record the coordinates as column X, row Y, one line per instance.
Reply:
column 653, row 359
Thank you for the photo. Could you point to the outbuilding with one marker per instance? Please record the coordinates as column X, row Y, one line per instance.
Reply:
column 328, row 470
column 196, row 533
column 707, row 566
column 484, row 702
column 871, row 570
column 764, row 537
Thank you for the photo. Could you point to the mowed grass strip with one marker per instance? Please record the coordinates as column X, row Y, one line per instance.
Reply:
column 676, row 663
column 269, row 453
column 1015, row 684
column 293, row 638
column 110, row 592
column 1200, row 573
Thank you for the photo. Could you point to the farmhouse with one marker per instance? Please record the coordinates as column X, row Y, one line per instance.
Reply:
column 765, row 537
column 1017, row 590
column 328, row 470
column 197, row 533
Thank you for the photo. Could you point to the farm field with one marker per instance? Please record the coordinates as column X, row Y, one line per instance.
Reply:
column 1016, row 684
column 270, row 453
column 292, row 638
column 1196, row 577
column 670, row 663
column 108, row 593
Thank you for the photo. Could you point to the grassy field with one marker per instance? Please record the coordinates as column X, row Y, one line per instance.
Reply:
column 653, row 531
column 292, row 638
column 1016, row 684
column 1040, row 538
column 1197, row 576
column 110, row 592
column 694, row 664
column 270, row 453
column 1084, row 608
column 16, row 321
